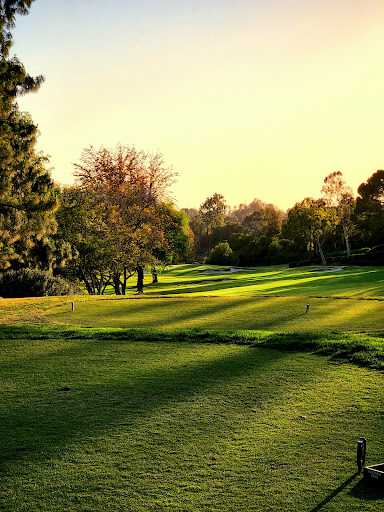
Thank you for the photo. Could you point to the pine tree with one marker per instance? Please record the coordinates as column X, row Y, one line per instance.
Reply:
column 27, row 192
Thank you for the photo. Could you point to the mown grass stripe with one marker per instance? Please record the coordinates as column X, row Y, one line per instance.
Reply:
column 359, row 349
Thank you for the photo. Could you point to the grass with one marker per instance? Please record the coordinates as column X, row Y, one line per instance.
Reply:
column 279, row 314
column 188, row 399
column 276, row 280
column 363, row 350
column 248, row 303
column 131, row 425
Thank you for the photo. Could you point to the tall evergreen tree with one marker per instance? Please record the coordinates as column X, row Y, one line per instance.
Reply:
column 27, row 192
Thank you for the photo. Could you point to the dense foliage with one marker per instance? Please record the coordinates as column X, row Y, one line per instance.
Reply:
column 222, row 254
column 119, row 220
column 34, row 283
column 27, row 193
column 336, row 228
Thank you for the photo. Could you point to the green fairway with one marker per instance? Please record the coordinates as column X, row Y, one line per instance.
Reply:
column 277, row 280
column 245, row 302
column 114, row 425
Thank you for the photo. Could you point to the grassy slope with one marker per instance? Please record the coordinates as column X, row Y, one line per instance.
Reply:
column 173, row 427
column 244, row 302
column 272, row 314
column 116, row 425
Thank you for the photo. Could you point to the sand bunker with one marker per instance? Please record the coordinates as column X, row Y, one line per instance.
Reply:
column 336, row 269
column 229, row 271
column 210, row 281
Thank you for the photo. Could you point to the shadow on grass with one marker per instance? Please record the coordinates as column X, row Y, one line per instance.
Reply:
column 335, row 493
column 49, row 417
column 364, row 490
column 160, row 313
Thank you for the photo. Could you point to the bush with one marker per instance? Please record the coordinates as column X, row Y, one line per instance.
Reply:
column 363, row 250
column 34, row 283
column 280, row 251
column 304, row 263
column 222, row 254
column 372, row 257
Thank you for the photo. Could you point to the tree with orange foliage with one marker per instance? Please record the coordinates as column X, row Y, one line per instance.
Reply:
column 128, row 186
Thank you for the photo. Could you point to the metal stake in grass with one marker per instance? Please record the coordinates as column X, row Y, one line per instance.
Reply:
column 307, row 309
column 73, row 306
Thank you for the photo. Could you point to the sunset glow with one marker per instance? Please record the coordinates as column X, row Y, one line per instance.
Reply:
column 248, row 99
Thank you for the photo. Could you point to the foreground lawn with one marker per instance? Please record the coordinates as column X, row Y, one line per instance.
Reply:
column 139, row 415
column 110, row 424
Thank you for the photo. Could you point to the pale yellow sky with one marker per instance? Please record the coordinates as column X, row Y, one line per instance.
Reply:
column 248, row 99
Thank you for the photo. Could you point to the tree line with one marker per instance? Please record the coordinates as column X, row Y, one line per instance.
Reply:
column 337, row 227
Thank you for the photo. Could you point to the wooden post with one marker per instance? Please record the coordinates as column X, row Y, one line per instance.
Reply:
column 307, row 309
column 73, row 306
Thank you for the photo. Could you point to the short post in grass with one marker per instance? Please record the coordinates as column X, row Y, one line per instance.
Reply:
column 307, row 309
column 361, row 449
column 73, row 306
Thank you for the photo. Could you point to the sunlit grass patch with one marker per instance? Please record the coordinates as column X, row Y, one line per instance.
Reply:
column 246, row 312
column 276, row 280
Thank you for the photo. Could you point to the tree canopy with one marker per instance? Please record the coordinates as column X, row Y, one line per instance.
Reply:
column 27, row 192
column 128, row 218
column 338, row 195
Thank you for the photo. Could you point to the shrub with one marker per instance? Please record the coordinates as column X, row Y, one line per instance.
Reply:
column 222, row 254
column 34, row 283
column 304, row 263
column 374, row 257
column 363, row 250
column 280, row 251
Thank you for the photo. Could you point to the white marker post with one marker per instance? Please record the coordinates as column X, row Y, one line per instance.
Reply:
column 73, row 306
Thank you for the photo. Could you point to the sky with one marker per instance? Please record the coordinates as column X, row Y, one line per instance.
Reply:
column 246, row 98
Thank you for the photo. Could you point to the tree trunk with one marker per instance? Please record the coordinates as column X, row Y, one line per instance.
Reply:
column 124, row 281
column 154, row 275
column 86, row 282
column 98, row 283
column 140, row 279
column 323, row 260
column 106, row 281
column 116, row 283
column 348, row 247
